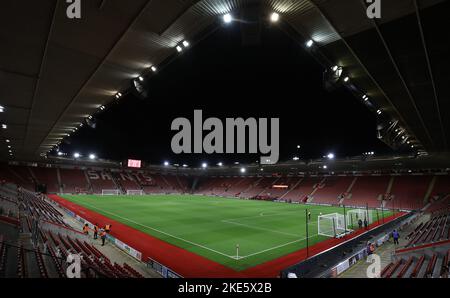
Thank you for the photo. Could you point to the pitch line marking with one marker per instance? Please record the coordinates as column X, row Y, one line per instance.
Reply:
column 278, row 246
column 162, row 232
column 196, row 244
column 258, row 228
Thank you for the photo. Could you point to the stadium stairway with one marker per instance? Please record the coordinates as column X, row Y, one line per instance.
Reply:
column 359, row 270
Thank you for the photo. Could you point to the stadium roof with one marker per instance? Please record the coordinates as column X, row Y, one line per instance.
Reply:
column 55, row 72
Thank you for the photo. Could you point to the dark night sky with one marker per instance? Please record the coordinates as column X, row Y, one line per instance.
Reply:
column 277, row 78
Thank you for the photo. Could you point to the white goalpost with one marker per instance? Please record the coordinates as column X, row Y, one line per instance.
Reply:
column 354, row 215
column 110, row 192
column 135, row 192
column 331, row 225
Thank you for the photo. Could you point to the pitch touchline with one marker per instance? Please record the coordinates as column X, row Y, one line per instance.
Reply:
column 162, row 232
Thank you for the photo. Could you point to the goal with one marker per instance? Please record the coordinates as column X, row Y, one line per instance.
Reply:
column 331, row 225
column 110, row 192
column 354, row 215
column 135, row 192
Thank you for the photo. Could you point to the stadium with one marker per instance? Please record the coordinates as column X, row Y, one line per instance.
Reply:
column 224, row 139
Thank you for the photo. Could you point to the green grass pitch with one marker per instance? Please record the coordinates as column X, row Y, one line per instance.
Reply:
column 212, row 226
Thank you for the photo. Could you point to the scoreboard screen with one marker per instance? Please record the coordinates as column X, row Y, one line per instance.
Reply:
column 134, row 163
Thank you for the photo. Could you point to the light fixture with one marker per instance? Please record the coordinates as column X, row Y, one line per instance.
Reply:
column 7, row 141
column 179, row 49
column 330, row 155
column 325, row 167
column 204, row 165
column 185, row 43
column 118, row 95
column 309, row 43
column 346, row 79
column 92, row 156
column 227, row 18
column 76, row 155
column 298, row 146
column 295, row 158
column 185, row 165
column 365, row 97
column 220, row 164
column 334, row 68
column 4, row 126
column 274, row 17
column 379, row 112
column 9, row 146
column 153, row 68
column 166, row 163
column 141, row 78
column 243, row 170
column 60, row 153
column 2, row 109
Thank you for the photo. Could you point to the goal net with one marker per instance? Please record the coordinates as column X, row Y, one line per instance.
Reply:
column 331, row 225
column 354, row 215
column 135, row 192
column 111, row 192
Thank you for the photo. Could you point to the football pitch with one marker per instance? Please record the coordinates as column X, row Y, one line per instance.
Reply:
column 213, row 227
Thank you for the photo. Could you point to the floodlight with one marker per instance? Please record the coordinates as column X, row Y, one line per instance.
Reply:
column 220, row 164
column 204, row 165
column 92, row 156
column 4, row 126
column 153, row 68
column 243, row 170
column 330, row 156
column 309, row 43
column 166, row 163
column 274, row 17
column 179, row 49
column 346, row 79
column 76, row 155
column 227, row 18
column 185, row 43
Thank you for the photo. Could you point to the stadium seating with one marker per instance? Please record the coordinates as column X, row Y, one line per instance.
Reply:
column 100, row 180
column 303, row 189
column 331, row 189
column 47, row 176
column 399, row 192
column 408, row 192
column 368, row 190
column 258, row 187
column 435, row 229
column 239, row 185
column 47, row 259
column 74, row 181
column 422, row 264
column 280, row 192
